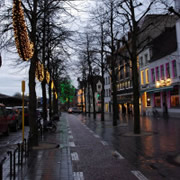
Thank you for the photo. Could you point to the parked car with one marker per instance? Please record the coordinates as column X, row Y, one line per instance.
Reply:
column 14, row 117
column 74, row 110
column 26, row 114
column 4, row 122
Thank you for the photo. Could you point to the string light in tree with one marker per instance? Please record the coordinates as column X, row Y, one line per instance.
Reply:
column 47, row 76
column 39, row 71
column 23, row 44
column 52, row 85
column 56, row 96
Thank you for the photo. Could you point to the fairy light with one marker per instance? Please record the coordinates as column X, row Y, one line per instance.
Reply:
column 23, row 44
column 47, row 77
column 52, row 85
column 39, row 71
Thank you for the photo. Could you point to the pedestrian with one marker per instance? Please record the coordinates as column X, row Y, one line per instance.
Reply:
column 165, row 110
column 123, row 110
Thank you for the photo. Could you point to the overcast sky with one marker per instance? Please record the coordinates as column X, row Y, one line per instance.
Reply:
column 12, row 76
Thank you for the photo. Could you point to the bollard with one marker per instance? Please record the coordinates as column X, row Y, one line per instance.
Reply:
column 14, row 167
column 25, row 147
column 22, row 151
column 1, row 168
column 19, row 152
column 10, row 156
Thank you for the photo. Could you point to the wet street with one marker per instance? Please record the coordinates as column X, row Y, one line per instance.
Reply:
column 86, row 149
column 154, row 152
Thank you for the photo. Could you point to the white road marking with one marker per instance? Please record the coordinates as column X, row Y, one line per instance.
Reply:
column 97, row 136
column 118, row 155
column 91, row 131
column 104, row 143
column 71, row 144
column 74, row 156
column 78, row 176
column 70, row 137
column 139, row 175
column 69, row 132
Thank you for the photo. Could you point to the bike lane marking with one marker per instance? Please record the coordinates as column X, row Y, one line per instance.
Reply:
column 74, row 156
column 139, row 175
column 104, row 143
column 78, row 176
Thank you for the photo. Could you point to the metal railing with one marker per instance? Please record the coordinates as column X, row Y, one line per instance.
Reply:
column 16, row 158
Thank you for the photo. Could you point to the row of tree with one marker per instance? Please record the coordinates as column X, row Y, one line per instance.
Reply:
column 45, row 21
column 111, row 21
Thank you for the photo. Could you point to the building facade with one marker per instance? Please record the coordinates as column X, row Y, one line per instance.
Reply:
column 160, row 74
column 107, row 93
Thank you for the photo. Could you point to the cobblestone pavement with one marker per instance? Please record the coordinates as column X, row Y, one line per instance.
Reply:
column 50, row 160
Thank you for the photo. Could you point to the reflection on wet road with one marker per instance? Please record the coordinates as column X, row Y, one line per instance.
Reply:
column 148, row 152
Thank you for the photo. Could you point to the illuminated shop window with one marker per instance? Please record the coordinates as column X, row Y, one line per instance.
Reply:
column 147, row 76
column 142, row 77
column 157, row 100
column 175, row 97
column 148, row 100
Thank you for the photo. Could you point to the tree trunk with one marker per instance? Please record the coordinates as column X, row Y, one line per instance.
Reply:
column 115, row 111
column 32, row 84
column 43, row 84
column 44, row 101
column 85, row 100
column 32, row 103
column 89, row 100
column 50, row 105
column 93, row 96
column 135, row 73
column 102, row 95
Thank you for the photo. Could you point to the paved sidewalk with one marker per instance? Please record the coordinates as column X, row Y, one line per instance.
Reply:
column 49, row 161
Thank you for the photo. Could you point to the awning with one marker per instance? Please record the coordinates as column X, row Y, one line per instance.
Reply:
column 154, row 90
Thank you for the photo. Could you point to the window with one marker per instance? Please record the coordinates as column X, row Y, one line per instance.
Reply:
column 157, row 100
column 152, row 76
column 141, row 61
column 109, row 92
column 122, row 73
column 174, row 69
column 142, row 77
column 146, row 58
column 162, row 72
column 127, row 70
column 147, row 75
column 157, row 73
column 167, row 71
column 175, row 97
column 128, row 84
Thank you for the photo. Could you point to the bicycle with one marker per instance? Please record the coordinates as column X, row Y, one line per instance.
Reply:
column 49, row 126
column 155, row 113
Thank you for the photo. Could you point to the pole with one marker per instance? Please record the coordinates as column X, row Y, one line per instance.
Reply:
column 23, row 89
